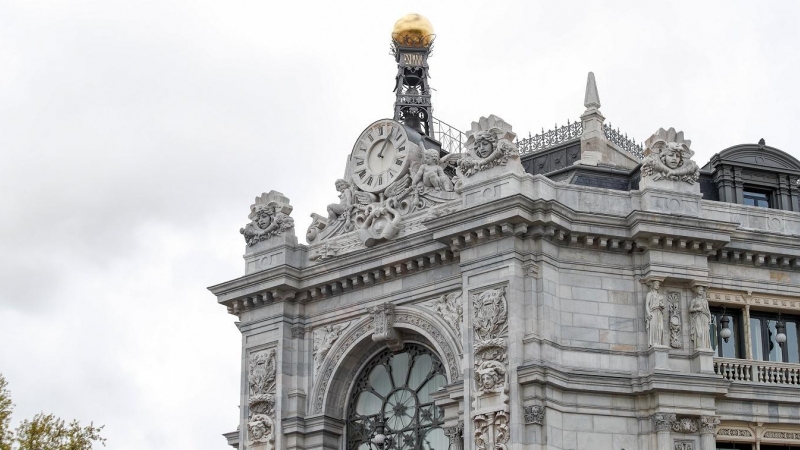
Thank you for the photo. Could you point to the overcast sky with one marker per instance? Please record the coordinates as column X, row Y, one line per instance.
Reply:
column 135, row 135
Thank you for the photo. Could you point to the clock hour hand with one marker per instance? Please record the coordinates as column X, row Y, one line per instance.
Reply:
column 380, row 153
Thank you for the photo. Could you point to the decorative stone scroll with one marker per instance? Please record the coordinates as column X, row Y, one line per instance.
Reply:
column 533, row 414
column 261, row 378
column 450, row 308
column 383, row 326
column 667, row 156
column 269, row 216
column 324, row 338
column 674, row 302
column 490, row 407
column 701, row 319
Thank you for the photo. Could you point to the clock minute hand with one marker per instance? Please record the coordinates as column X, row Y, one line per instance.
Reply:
column 380, row 153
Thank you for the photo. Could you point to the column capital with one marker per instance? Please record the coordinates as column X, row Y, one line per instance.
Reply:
column 663, row 421
column 708, row 424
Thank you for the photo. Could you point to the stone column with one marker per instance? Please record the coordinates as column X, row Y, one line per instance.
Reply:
column 738, row 185
column 708, row 432
column 456, row 436
column 748, row 344
column 662, row 423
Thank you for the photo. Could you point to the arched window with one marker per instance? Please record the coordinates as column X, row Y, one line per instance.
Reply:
column 397, row 388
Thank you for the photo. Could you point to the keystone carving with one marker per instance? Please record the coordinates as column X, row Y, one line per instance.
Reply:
column 261, row 378
column 383, row 326
column 269, row 216
column 667, row 156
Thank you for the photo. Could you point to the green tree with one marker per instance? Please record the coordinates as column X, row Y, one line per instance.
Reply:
column 44, row 431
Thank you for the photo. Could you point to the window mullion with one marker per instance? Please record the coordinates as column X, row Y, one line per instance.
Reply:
column 748, row 345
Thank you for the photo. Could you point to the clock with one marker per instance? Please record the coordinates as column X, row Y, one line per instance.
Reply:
column 380, row 155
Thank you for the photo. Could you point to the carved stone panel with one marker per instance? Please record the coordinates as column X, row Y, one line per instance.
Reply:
column 684, row 445
column 450, row 308
column 261, row 377
column 674, row 305
column 533, row 414
column 324, row 338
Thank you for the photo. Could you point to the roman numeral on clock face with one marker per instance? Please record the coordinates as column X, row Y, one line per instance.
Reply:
column 371, row 139
column 370, row 180
column 362, row 174
column 399, row 162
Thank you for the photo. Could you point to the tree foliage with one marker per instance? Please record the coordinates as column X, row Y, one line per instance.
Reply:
column 44, row 431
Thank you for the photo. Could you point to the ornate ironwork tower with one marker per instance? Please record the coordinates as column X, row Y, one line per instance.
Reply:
column 412, row 43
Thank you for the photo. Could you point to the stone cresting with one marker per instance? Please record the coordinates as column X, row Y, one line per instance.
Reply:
column 269, row 216
column 450, row 308
column 701, row 318
column 490, row 406
column 667, row 156
column 674, row 302
column 262, row 381
column 324, row 338
column 654, row 314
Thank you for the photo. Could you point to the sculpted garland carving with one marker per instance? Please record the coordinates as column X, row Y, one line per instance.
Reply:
column 269, row 216
column 734, row 432
column 674, row 301
column 324, row 338
column 490, row 407
column 261, row 378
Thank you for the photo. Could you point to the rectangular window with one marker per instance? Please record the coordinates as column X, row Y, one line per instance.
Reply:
column 757, row 198
column 731, row 348
column 731, row 446
column 764, row 338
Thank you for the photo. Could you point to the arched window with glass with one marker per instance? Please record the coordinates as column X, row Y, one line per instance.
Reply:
column 394, row 389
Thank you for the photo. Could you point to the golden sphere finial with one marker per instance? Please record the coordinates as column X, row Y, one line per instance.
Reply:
column 413, row 30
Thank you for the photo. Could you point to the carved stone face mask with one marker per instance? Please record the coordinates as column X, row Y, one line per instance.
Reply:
column 488, row 381
column 672, row 158
column 264, row 219
column 484, row 148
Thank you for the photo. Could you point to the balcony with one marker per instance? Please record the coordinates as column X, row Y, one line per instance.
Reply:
column 761, row 372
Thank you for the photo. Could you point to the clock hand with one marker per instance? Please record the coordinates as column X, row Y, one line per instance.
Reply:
column 380, row 153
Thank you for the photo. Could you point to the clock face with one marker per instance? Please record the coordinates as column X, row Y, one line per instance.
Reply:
column 380, row 155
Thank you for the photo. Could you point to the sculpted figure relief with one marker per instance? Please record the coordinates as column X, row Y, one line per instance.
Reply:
column 269, row 216
column 654, row 314
column 324, row 340
column 450, row 308
column 701, row 318
column 667, row 156
column 261, row 378
column 430, row 174
column 335, row 210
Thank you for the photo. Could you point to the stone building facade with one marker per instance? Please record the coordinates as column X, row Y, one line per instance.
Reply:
column 570, row 290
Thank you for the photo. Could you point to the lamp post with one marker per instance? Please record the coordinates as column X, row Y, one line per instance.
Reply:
column 379, row 440
column 726, row 332
column 780, row 327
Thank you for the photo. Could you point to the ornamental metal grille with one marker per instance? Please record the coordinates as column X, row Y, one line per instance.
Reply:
column 623, row 142
column 397, row 388
column 550, row 138
column 452, row 140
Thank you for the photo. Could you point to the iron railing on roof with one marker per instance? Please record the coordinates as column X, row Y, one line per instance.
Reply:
column 622, row 141
column 451, row 138
column 550, row 138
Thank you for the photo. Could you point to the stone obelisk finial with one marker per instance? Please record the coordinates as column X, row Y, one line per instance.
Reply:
column 592, row 99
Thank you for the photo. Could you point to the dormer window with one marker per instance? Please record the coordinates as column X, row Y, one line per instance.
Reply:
column 754, row 197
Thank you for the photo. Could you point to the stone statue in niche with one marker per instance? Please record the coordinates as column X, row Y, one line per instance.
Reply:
column 269, row 216
column 667, row 156
column 654, row 314
column 701, row 318
column 430, row 174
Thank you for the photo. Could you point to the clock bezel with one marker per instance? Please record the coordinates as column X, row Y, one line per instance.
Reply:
column 361, row 152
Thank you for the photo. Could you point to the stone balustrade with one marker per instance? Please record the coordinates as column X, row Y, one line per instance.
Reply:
column 763, row 372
